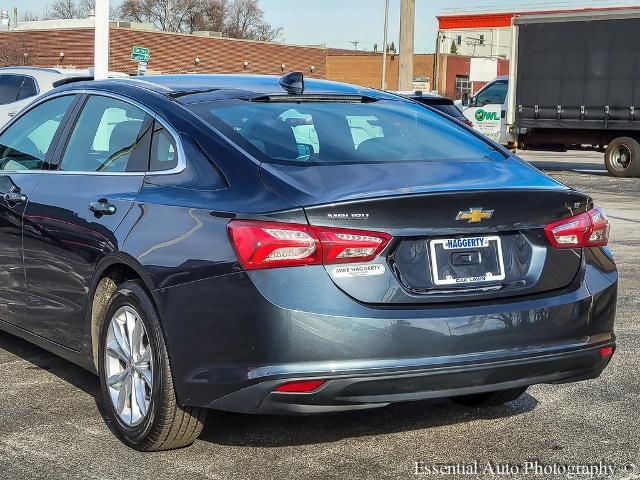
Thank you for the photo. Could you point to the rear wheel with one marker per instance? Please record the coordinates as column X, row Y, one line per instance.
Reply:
column 488, row 399
column 135, row 376
column 622, row 157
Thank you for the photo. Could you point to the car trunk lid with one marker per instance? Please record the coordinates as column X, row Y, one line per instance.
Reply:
column 452, row 222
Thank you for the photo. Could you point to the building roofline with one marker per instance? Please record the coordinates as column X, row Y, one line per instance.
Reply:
column 204, row 38
column 497, row 19
column 582, row 15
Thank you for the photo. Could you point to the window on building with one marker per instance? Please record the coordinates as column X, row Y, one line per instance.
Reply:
column 463, row 85
column 459, row 40
column 481, row 39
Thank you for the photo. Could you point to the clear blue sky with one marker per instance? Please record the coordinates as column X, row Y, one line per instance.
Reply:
column 336, row 23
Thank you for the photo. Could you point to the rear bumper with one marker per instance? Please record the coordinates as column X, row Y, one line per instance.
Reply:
column 232, row 338
column 370, row 388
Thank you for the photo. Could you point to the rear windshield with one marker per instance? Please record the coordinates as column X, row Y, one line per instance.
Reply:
column 449, row 110
column 341, row 132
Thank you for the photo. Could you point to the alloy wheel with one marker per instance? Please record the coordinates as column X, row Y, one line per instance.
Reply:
column 128, row 366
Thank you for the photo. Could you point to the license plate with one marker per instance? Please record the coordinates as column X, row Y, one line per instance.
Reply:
column 469, row 260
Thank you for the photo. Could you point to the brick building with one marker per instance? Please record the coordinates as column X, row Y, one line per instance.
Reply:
column 69, row 43
column 367, row 69
column 169, row 52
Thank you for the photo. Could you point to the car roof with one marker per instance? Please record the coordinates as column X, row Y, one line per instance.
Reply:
column 29, row 70
column 191, row 88
column 48, row 78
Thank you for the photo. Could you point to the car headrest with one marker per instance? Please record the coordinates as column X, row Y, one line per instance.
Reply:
column 124, row 135
column 275, row 137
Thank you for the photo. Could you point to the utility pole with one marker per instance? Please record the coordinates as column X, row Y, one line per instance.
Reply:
column 101, row 40
column 384, row 46
column 407, row 28
column 436, row 63
column 355, row 44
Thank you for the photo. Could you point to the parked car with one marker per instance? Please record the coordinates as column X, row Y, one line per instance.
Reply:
column 440, row 103
column 20, row 85
column 176, row 237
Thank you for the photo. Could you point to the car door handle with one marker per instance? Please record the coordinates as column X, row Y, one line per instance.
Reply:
column 102, row 207
column 12, row 114
column 15, row 197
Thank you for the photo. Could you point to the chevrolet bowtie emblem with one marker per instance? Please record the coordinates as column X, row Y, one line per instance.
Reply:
column 475, row 215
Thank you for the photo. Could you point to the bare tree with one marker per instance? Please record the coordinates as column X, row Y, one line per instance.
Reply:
column 266, row 33
column 234, row 18
column 86, row 7
column 64, row 9
column 166, row 15
column 212, row 15
column 246, row 20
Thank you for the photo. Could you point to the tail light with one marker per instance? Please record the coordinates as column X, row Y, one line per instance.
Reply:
column 606, row 352
column 344, row 246
column 273, row 244
column 589, row 229
column 302, row 386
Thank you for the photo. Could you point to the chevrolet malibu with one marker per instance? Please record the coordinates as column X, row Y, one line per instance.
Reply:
column 259, row 244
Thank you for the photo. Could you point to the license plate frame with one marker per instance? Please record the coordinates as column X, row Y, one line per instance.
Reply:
column 462, row 244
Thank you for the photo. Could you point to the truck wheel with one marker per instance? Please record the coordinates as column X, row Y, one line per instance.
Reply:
column 622, row 157
column 490, row 399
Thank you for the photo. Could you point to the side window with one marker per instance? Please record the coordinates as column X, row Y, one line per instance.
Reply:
column 164, row 154
column 493, row 95
column 24, row 145
column 28, row 89
column 110, row 135
column 10, row 86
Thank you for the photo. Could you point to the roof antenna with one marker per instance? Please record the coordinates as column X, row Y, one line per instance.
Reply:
column 293, row 83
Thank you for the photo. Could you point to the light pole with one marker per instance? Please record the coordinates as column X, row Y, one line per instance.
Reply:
column 384, row 45
column 101, row 40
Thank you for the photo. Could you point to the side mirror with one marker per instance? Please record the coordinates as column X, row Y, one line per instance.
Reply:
column 465, row 99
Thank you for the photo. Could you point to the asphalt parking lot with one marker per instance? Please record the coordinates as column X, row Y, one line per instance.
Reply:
column 51, row 425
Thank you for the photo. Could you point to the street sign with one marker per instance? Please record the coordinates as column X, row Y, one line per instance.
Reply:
column 142, row 68
column 140, row 54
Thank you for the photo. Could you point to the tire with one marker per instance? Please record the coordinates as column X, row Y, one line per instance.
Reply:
column 622, row 157
column 157, row 421
column 490, row 399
